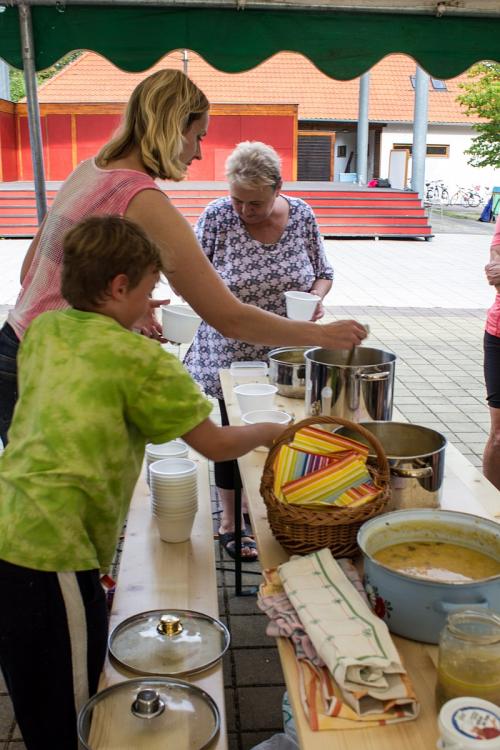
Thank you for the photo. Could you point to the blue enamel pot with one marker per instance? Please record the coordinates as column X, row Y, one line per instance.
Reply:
column 413, row 607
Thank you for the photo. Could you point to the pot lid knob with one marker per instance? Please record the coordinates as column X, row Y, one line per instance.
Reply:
column 147, row 704
column 169, row 625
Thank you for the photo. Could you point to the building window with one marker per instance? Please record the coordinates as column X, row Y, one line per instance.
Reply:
column 436, row 83
column 342, row 151
column 433, row 149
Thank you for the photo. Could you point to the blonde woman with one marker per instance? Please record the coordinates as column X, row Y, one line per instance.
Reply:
column 165, row 122
column 262, row 243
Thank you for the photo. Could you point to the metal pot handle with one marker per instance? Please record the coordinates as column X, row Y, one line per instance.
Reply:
column 423, row 473
column 374, row 375
column 447, row 607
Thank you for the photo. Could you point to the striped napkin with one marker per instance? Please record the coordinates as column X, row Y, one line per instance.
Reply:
column 292, row 464
column 326, row 486
column 314, row 440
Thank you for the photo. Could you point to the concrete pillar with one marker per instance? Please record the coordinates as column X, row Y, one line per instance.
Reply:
column 420, row 122
column 362, row 137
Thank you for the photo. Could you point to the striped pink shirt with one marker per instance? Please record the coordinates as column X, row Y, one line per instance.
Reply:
column 493, row 319
column 88, row 191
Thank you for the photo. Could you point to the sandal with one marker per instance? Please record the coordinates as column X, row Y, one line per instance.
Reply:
column 228, row 541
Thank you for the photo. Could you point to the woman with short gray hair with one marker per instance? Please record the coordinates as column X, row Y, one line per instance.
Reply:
column 262, row 243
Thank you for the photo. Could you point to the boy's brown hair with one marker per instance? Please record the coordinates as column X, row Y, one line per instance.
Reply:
column 98, row 249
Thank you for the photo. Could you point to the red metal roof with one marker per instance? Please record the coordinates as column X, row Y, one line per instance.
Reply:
column 286, row 78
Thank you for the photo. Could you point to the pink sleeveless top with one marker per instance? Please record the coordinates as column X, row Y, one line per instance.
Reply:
column 88, row 191
column 493, row 319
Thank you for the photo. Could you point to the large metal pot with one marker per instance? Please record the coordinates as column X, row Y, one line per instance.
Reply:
column 287, row 370
column 413, row 607
column 416, row 461
column 356, row 385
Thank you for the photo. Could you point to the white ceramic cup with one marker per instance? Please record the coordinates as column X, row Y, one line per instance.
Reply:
column 301, row 305
column 180, row 323
column 252, row 396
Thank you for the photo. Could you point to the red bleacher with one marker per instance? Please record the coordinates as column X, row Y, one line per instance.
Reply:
column 340, row 213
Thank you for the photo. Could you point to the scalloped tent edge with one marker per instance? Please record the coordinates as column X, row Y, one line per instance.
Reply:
column 341, row 44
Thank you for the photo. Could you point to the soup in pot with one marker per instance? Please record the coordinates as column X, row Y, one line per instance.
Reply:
column 438, row 561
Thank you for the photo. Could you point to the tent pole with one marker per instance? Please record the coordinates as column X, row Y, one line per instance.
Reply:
column 34, row 122
column 363, row 125
column 420, row 122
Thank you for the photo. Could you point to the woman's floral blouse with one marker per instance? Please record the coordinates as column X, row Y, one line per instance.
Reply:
column 257, row 274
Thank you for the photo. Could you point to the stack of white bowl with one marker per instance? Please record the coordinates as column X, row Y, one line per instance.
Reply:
column 174, row 497
column 158, row 451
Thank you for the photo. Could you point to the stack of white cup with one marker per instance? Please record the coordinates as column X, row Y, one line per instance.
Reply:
column 174, row 497
column 158, row 451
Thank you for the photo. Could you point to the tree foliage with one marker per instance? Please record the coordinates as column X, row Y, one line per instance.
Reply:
column 17, row 88
column 482, row 98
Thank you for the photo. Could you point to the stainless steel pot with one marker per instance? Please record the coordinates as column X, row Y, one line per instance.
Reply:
column 355, row 385
column 287, row 370
column 413, row 607
column 416, row 462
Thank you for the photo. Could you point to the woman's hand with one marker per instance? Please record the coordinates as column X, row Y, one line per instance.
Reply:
column 319, row 312
column 149, row 325
column 343, row 334
column 493, row 273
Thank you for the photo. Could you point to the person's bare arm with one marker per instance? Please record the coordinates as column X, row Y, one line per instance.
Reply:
column 225, row 443
column 30, row 254
column 194, row 279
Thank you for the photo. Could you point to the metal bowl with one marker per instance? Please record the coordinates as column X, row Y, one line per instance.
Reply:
column 287, row 370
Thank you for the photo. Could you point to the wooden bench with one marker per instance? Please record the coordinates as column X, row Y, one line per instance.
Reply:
column 157, row 575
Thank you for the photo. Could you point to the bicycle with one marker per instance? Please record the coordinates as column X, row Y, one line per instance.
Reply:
column 466, row 197
column 436, row 191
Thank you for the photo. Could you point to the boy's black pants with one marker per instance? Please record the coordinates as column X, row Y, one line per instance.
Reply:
column 53, row 637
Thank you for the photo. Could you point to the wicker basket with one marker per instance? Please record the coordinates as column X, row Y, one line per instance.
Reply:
column 300, row 529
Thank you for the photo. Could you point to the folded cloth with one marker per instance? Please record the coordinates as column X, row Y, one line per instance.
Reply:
column 283, row 619
column 327, row 706
column 354, row 644
column 314, row 440
column 327, row 485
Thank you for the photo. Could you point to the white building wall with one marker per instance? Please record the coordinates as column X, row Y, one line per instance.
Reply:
column 453, row 170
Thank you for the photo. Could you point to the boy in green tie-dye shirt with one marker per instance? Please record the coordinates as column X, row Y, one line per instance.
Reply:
column 92, row 393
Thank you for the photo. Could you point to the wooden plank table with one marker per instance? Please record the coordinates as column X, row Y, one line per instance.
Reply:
column 464, row 489
column 159, row 575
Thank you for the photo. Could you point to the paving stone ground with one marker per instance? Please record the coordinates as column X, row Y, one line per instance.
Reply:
column 425, row 301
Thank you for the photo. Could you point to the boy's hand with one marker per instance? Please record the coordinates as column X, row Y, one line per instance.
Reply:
column 149, row 324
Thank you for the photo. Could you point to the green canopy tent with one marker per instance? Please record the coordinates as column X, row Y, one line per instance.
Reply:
column 341, row 38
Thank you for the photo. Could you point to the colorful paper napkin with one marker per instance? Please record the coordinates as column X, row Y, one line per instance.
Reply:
column 314, row 440
column 327, row 486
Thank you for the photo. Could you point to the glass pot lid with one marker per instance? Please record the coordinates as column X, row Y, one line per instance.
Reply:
column 169, row 642
column 152, row 713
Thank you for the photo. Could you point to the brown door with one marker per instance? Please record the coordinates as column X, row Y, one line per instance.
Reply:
column 315, row 156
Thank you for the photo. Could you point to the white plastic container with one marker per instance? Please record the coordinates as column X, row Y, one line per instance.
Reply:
column 301, row 305
column 255, row 396
column 469, row 724
column 180, row 323
column 266, row 415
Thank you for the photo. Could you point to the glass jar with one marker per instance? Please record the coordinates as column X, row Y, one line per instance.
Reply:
column 469, row 656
